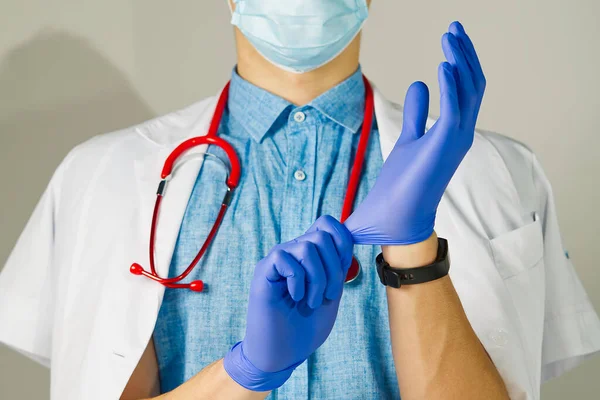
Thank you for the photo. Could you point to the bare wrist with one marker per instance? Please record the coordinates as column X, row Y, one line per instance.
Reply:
column 413, row 255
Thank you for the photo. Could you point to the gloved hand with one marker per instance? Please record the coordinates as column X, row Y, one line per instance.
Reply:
column 402, row 205
column 294, row 300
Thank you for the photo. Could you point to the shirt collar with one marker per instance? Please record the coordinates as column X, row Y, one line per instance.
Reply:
column 345, row 103
column 257, row 110
column 254, row 108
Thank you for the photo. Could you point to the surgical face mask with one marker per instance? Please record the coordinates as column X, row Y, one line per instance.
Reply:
column 300, row 35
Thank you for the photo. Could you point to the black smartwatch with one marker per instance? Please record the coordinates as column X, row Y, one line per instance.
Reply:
column 396, row 277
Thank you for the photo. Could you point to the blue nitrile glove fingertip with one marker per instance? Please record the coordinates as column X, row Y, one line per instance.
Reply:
column 315, row 302
column 297, row 297
column 342, row 235
column 296, row 291
column 449, row 69
column 445, row 39
column 456, row 27
column 453, row 40
column 446, row 66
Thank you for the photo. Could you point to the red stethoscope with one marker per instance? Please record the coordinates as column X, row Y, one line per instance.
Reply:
column 232, row 182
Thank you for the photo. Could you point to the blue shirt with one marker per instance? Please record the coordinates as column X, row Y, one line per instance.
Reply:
column 295, row 167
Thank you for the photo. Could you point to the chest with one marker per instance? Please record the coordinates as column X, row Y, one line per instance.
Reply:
column 482, row 219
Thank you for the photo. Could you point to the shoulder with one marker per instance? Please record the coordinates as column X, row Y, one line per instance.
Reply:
column 151, row 135
column 514, row 154
column 499, row 154
column 107, row 161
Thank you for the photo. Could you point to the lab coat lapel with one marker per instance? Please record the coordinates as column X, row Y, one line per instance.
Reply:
column 143, row 296
column 176, row 196
column 389, row 122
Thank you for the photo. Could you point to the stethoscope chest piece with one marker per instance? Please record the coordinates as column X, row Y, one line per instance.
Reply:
column 354, row 271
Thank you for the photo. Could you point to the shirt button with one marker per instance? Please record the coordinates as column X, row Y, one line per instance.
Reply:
column 299, row 116
column 299, row 175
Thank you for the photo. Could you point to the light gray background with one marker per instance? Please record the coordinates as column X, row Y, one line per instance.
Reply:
column 70, row 69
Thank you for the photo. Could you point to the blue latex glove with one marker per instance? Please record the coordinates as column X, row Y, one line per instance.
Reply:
column 294, row 300
column 402, row 205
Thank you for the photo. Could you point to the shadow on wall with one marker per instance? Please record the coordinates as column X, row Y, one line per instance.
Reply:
column 56, row 91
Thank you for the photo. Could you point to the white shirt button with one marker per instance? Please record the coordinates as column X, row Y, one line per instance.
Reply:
column 299, row 116
column 299, row 175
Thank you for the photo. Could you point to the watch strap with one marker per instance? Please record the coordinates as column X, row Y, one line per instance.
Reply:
column 396, row 277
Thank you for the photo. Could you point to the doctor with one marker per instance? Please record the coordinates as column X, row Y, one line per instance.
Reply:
column 274, row 317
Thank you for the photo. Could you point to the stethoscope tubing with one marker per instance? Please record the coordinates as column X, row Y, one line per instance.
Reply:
column 232, row 182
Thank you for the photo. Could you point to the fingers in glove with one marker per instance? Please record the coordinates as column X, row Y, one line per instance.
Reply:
column 479, row 80
column 450, row 110
column 468, row 48
column 331, row 262
column 282, row 266
column 467, row 95
column 316, row 280
column 342, row 238
column 416, row 110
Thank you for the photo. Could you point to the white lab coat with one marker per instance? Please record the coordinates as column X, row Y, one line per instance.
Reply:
column 67, row 298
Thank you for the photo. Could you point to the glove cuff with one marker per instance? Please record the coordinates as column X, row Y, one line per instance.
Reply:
column 241, row 370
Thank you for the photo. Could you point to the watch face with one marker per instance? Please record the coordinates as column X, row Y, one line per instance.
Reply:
column 379, row 262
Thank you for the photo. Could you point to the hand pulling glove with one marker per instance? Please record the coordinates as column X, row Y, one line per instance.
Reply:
column 294, row 298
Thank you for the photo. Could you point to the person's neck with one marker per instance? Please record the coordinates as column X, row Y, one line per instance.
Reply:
column 299, row 89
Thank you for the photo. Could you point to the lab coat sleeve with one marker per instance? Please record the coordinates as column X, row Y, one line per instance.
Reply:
column 571, row 326
column 26, row 281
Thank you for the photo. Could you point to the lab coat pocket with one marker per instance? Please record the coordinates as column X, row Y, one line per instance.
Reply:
column 518, row 250
column 519, row 259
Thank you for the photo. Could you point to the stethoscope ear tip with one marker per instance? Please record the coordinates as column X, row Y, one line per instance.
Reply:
column 136, row 269
column 197, row 286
